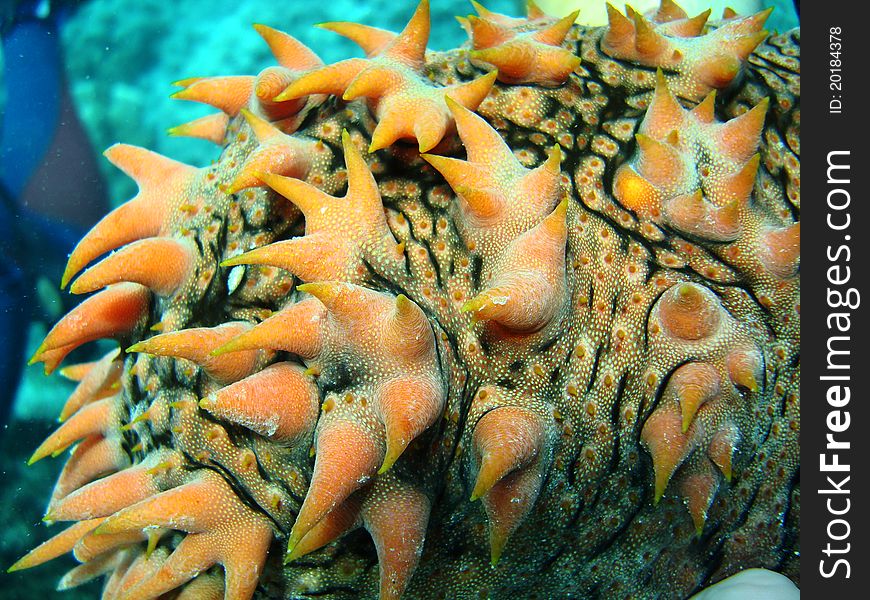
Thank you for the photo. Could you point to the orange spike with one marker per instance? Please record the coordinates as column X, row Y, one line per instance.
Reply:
column 110, row 494
column 212, row 128
column 694, row 384
column 89, row 571
column 721, row 449
column 52, row 358
column 93, row 458
column 698, row 490
column 113, row 312
column 339, row 521
column 746, row 25
column 507, row 503
column 371, row 39
column 287, row 50
column 341, row 299
column 97, row 383
column 162, row 183
column 649, row 43
column 781, row 250
column 483, row 143
column 693, row 27
column 482, row 205
column 658, row 163
column 360, row 181
column 373, row 82
column 270, row 82
column 188, row 507
column 634, row 192
column 331, row 79
column 235, row 536
column 669, row 11
column 55, row 546
column 555, row 34
column 93, row 544
column 409, row 47
column 524, row 61
column 620, row 35
column 229, row 94
column 280, row 402
column 306, row 197
column 407, row 332
column 692, row 215
column 664, row 113
column 471, row 93
column 689, row 311
column 486, row 33
column 396, row 518
column 527, row 292
column 78, row 371
column 705, row 111
column 337, row 472
column 738, row 138
column 728, row 13
column 198, row 344
column 736, row 188
column 745, row 368
column 311, row 258
column 457, row 172
column 667, row 444
column 542, row 185
column 161, row 264
column 408, row 406
column 297, row 329
column 506, row 439
column 263, row 129
column 95, row 418
column 429, row 127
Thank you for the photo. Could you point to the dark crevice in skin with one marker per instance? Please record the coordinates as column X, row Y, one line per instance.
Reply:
column 238, row 489
column 791, row 539
column 615, row 408
column 594, row 371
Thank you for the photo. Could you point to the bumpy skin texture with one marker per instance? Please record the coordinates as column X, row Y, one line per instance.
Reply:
column 555, row 355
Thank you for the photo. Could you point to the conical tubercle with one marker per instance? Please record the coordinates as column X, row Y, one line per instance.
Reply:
column 162, row 183
column 511, row 450
column 280, row 402
column 162, row 264
column 337, row 472
column 298, row 328
column 396, row 515
column 527, row 289
column 197, row 345
column 114, row 312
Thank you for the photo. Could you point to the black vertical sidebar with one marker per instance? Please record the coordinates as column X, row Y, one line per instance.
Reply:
column 835, row 270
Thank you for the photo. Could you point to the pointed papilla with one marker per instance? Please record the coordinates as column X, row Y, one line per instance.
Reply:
column 279, row 402
column 162, row 185
column 297, row 329
column 162, row 264
column 229, row 94
column 198, row 344
column 337, row 473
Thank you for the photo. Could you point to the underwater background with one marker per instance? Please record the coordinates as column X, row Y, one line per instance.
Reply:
column 77, row 77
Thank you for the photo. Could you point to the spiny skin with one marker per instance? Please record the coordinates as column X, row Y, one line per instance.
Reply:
column 580, row 307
